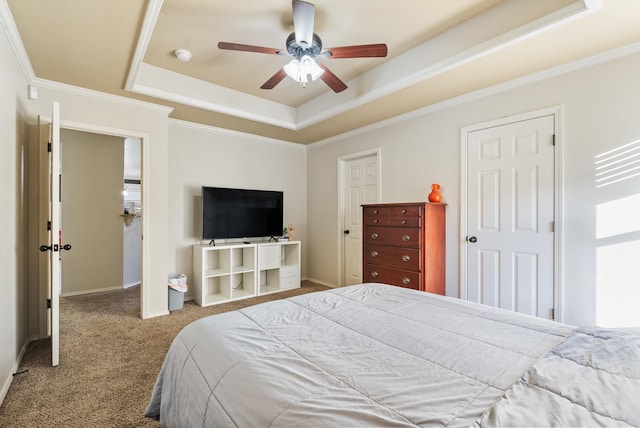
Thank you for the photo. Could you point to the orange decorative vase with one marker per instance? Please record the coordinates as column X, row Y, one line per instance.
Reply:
column 435, row 196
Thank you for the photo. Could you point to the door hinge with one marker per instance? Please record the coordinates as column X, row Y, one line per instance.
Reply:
column 553, row 314
column 49, row 147
column 48, row 225
column 48, row 303
column 553, row 226
column 553, row 140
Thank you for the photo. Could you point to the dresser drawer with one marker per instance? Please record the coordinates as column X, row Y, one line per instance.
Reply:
column 401, row 221
column 413, row 211
column 375, row 221
column 396, row 236
column 403, row 258
column 375, row 216
column 375, row 211
column 401, row 278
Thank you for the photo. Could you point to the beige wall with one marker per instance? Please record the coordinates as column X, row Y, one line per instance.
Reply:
column 13, row 216
column 92, row 201
column 206, row 156
column 601, row 105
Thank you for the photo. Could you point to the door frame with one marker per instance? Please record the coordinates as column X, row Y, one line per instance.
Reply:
column 342, row 164
column 558, row 241
column 145, row 182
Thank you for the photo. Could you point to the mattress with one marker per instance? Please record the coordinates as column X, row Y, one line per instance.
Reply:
column 364, row 355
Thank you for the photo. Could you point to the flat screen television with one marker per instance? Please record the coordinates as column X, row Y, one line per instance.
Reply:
column 241, row 213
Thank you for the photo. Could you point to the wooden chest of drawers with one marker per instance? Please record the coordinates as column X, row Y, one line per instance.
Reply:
column 404, row 245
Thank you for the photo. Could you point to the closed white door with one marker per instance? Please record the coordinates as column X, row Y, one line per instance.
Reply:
column 360, row 187
column 510, row 216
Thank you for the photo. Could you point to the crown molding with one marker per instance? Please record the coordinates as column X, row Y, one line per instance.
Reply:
column 9, row 26
column 77, row 90
column 148, row 24
column 621, row 52
column 228, row 132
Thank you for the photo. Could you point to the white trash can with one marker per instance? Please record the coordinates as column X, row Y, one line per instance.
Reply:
column 177, row 288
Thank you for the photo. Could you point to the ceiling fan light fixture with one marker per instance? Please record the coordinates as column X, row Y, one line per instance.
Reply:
column 301, row 70
column 293, row 70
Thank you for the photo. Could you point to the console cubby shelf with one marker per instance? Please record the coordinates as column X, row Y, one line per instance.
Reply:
column 229, row 272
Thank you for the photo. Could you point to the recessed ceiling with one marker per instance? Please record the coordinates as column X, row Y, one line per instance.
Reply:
column 437, row 50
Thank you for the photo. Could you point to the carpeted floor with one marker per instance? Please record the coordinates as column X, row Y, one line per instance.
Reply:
column 109, row 360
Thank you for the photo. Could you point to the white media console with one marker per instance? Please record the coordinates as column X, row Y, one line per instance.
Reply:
column 236, row 271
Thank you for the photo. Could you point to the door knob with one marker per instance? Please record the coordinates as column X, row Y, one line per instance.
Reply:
column 346, row 232
column 473, row 239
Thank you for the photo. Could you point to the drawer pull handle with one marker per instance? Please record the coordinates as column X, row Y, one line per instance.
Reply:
column 406, row 258
column 374, row 274
column 374, row 254
column 404, row 211
column 374, row 236
column 406, row 280
column 375, row 211
column 403, row 221
column 375, row 221
column 405, row 238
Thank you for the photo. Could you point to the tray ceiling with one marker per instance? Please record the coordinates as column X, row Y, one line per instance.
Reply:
column 438, row 50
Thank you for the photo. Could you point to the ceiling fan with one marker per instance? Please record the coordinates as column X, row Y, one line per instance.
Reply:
column 304, row 45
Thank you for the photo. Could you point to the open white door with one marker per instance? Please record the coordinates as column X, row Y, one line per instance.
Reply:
column 54, row 244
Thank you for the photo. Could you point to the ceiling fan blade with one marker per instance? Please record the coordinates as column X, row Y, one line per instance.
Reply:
column 249, row 48
column 303, row 17
column 332, row 80
column 274, row 80
column 357, row 51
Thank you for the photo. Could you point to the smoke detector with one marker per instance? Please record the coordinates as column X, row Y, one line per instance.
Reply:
column 183, row 54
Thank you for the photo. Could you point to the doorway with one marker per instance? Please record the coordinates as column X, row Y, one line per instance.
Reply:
column 509, row 213
column 106, row 253
column 358, row 183
column 92, row 208
column 132, row 213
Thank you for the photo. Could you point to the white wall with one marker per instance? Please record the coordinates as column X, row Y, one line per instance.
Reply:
column 601, row 105
column 204, row 156
column 13, row 216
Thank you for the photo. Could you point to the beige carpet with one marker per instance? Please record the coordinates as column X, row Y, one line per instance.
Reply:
column 109, row 359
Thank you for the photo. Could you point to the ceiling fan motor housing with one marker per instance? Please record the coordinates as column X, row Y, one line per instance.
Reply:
column 298, row 51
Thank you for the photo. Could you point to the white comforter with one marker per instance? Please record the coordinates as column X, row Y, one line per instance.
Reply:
column 366, row 355
column 590, row 379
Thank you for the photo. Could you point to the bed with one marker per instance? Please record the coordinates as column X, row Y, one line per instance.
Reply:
column 378, row 355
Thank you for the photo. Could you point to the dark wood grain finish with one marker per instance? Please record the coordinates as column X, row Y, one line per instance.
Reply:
column 395, row 236
column 404, row 245
column 398, row 277
column 402, row 258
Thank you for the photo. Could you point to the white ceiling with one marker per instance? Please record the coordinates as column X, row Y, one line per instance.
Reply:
column 438, row 50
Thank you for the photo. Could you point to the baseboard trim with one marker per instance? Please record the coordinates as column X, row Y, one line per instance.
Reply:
column 97, row 290
column 7, row 382
column 131, row 284
column 317, row 281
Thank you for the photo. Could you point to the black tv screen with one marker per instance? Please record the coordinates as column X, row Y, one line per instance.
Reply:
column 241, row 213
